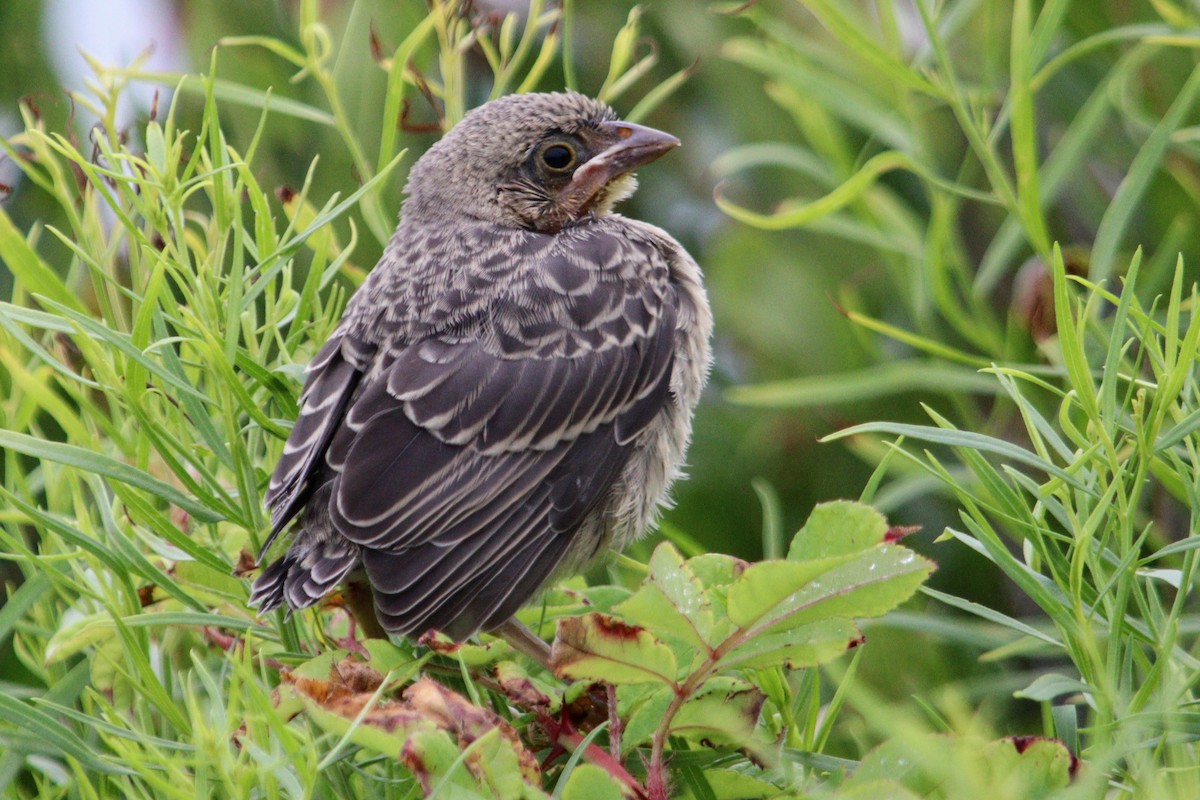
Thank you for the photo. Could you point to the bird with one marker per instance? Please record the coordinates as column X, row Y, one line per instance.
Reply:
column 510, row 392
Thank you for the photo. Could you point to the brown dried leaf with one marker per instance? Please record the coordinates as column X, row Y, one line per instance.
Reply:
column 519, row 687
column 467, row 722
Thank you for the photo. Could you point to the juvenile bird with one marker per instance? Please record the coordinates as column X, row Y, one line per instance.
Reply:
column 510, row 391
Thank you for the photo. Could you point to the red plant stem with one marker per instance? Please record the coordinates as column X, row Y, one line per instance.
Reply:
column 601, row 758
column 656, row 778
column 614, row 722
column 228, row 643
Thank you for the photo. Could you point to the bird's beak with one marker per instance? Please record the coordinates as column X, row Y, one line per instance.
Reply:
column 633, row 146
column 630, row 146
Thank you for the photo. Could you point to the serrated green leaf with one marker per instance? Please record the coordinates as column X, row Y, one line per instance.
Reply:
column 803, row 646
column 386, row 657
column 647, row 715
column 1013, row 767
column 716, row 569
column 841, row 527
column 473, row 655
column 785, row 594
column 318, row 667
column 674, row 577
column 439, row 765
column 769, row 588
column 589, row 782
column 652, row 609
column 727, row 784
column 601, row 648
column 1040, row 765
column 671, row 601
column 492, row 760
column 725, row 713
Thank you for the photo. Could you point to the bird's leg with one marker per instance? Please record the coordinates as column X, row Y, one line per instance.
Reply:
column 524, row 641
column 361, row 603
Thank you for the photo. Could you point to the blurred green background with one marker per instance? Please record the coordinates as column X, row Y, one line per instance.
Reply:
column 780, row 105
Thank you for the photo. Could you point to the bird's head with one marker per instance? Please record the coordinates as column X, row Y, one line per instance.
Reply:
column 535, row 161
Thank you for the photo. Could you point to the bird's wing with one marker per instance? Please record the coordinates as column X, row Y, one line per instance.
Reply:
column 464, row 468
column 333, row 376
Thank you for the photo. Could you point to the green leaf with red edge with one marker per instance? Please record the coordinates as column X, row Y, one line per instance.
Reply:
column 598, row 647
column 1044, row 765
column 869, row 586
column 525, row 691
column 432, row 757
column 428, row 730
column 492, row 650
column 802, row 646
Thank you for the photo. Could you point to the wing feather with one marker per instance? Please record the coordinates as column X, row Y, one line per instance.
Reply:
column 333, row 376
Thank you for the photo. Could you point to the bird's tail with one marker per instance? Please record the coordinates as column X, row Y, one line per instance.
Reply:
column 306, row 573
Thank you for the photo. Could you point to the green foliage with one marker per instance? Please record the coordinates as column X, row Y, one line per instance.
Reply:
column 1076, row 483
column 967, row 180
column 682, row 667
column 1111, row 578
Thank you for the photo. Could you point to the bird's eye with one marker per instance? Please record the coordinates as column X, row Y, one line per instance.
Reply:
column 558, row 157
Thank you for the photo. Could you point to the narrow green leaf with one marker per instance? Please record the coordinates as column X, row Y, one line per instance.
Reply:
column 1024, row 129
column 123, row 343
column 1051, row 685
column 30, row 272
column 991, row 615
column 90, row 461
column 38, row 726
column 19, row 601
column 880, row 380
column 964, row 439
column 1142, row 171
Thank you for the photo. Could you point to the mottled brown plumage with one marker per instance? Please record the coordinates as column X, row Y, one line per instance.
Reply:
column 509, row 392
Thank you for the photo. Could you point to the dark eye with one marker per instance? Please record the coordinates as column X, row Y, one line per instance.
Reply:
column 558, row 157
